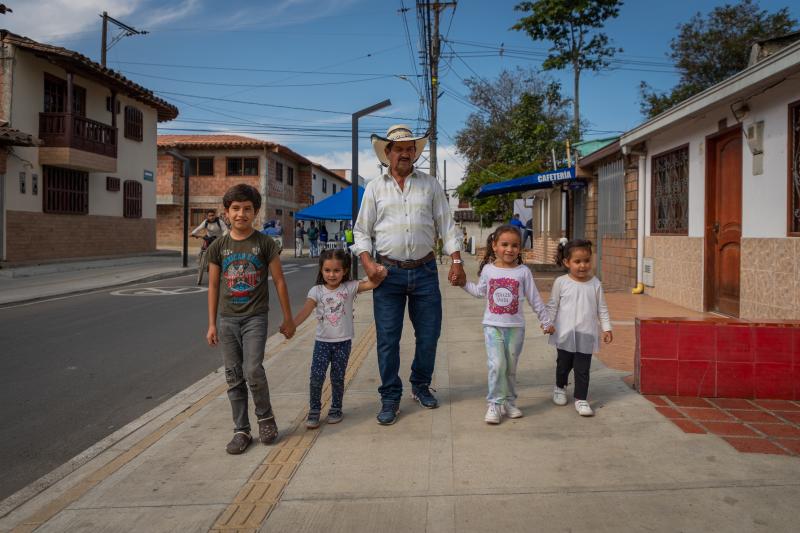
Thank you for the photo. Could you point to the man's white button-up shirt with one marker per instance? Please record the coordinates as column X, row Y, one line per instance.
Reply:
column 404, row 223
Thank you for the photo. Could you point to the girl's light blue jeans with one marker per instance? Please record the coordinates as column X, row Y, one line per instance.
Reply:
column 503, row 346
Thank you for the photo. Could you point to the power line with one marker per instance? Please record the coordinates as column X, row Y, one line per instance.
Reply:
column 255, row 69
column 260, row 85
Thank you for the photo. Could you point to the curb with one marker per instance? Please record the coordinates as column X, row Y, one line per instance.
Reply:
column 169, row 409
column 144, row 279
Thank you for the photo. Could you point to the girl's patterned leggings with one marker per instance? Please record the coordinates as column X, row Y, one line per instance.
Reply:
column 503, row 346
column 336, row 354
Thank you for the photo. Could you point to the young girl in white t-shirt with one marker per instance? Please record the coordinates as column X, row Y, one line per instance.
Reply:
column 504, row 281
column 579, row 310
column 332, row 298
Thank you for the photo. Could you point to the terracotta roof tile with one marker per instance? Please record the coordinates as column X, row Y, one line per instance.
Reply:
column 10, row 136
column 89, row 68
column 224, row 141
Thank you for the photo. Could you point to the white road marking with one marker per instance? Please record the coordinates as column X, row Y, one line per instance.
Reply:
column 158, row 291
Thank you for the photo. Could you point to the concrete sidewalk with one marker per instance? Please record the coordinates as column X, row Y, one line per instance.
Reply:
column 22, row 284
column 628, row 468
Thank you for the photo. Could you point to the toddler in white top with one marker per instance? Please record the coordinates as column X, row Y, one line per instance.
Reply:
column 579, row 310
column 504, row 282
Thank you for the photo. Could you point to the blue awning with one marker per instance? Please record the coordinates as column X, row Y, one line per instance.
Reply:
column 336, row 207
column 542, row 180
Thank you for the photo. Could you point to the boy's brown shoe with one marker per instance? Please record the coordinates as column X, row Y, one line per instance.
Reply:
column 267, row 430
column 239, row 443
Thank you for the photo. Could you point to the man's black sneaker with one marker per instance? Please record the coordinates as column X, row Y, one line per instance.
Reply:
column 388, row 414
column 425, row 398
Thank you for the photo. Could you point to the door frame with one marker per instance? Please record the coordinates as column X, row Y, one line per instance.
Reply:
column 710, row 209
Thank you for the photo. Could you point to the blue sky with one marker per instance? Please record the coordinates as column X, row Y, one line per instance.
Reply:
column 338, row 56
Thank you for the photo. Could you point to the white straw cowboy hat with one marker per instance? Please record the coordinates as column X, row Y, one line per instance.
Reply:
column 397, row 133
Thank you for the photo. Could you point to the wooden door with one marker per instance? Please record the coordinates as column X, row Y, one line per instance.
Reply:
column 724, row 221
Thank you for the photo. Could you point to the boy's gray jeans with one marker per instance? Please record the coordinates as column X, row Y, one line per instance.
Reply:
column 243, row 340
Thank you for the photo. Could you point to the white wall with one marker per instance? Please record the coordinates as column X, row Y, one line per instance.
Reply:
column 763, row 196
column 133, row 157
column 316, row 184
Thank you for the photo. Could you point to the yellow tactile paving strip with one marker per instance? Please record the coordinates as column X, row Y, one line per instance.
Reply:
column 261, row 493
column 77, row 491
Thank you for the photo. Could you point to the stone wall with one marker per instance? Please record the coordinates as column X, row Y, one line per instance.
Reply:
column 678, row 269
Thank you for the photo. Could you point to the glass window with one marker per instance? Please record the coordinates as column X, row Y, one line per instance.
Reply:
column 670, row 193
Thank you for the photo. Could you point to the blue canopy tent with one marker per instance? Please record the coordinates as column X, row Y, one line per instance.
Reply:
column 541, row 180
column 336, row 207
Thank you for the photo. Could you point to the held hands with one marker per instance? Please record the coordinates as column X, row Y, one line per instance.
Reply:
column 375, row 272
column 549, row 329
column 211, row 336
column 288, row 328
column 457, row 276
column 608, row 337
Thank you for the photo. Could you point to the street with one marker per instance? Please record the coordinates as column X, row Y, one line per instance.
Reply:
column 74, row 370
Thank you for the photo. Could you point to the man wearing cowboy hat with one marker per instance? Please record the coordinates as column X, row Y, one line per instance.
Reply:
column 403, row 211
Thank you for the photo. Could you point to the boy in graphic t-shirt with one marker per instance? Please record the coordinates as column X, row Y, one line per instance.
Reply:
column 240, row 264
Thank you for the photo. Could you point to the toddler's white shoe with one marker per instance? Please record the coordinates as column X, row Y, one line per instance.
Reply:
column 583, row 408
column 559, row 396
column 493, row 414
column 511, row 410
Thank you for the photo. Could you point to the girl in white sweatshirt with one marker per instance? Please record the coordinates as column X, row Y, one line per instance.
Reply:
column 504, row 281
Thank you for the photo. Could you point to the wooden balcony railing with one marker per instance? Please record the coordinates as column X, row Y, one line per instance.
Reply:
column 73, row 131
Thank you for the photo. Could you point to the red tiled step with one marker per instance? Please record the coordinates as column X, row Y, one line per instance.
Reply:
column 687, row 425
column 669, row 412
column 702, row 414
column 778, row 405
column 754, row 416
column 733, row 403
column 689, row 401
column 778, row 430
column 793, row 445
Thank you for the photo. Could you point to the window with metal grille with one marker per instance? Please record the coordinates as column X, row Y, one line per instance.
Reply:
column 278, row 171
column 112, row 183
column 242, row 166
column 201, row 166
column 669, row 205
column 289, row 176
column 134, row 123
column 132, row 200
column 65, row 191
column 611, row 198
column 794, row 170
column 278, row 212
column 324, row 185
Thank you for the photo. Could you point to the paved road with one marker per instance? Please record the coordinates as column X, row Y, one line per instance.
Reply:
column 72, row 371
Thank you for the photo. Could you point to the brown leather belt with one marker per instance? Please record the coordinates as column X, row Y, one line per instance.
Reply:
column 407, row 265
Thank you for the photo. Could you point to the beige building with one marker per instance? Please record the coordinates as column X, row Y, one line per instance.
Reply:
column 89, row 188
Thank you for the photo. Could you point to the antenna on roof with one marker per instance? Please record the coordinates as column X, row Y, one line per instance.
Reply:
column 127, row 31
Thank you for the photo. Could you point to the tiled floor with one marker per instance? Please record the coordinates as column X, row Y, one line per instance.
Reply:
column 750, row 426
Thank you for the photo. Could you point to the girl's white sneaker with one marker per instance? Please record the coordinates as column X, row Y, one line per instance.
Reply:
column 511, row 410
column 559, row 396
column 583, row 408
column 492, row 414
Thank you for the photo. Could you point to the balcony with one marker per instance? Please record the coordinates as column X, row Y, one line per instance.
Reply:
column 74, row 141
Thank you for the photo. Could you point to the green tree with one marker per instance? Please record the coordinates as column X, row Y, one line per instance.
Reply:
column 498, row 207
column 571, row 27
column 520, row 117
column 711, row 48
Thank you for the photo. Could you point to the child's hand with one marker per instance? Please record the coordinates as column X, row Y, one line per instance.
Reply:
column 288, row 328
column 211, row 336
column 608, row 337
column 549, row 329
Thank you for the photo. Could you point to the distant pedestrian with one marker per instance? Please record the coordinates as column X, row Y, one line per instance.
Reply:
column 323, row 234
column 298, row 239
column 313, row 240
column 517, row 223
column 244, row 259
column 528, row 233
column 331, row 299
column 504, row 282
column 578, row 308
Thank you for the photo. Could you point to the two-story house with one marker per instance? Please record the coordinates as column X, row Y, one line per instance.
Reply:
column 218, row 162
column 88, row 188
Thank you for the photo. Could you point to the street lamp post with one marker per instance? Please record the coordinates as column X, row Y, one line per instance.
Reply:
column 354, row 172
column 177, row 155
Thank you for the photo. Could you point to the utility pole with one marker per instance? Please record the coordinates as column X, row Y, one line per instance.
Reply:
column 434, row 52
column 127, row 31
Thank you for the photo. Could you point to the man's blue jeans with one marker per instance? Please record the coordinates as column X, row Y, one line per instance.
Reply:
column 420, row 286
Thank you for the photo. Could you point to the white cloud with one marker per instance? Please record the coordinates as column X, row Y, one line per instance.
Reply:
column 286, row 12
column 54, row 20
